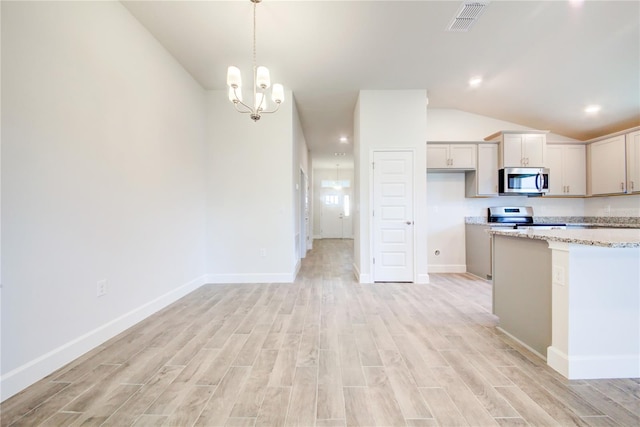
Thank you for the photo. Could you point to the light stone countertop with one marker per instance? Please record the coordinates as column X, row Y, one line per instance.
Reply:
column 605, row 237
column 573, row 221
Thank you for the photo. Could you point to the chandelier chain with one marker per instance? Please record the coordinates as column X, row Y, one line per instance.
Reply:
column 255, row 64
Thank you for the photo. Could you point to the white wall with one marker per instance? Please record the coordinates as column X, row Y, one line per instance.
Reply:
column 250, row 202
column 448, row 207
column 103, row 143
column 393, row 119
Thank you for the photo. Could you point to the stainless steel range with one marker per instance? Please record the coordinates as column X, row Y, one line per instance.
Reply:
column 518, row 217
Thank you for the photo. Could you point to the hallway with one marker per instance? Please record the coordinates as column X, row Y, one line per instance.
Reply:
column 323, row 351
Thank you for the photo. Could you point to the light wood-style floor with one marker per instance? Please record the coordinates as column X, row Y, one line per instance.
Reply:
column 323, row 351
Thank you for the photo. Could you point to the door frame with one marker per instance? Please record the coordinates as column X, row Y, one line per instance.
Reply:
column 372, row 242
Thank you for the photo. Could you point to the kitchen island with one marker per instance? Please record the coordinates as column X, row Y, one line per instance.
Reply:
column 572, row 295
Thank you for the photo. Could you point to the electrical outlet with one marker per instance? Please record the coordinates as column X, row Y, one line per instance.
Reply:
column 101, row 288
column 558, row 275
column 263, row 252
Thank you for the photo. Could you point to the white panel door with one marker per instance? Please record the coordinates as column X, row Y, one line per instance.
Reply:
column 393, row 216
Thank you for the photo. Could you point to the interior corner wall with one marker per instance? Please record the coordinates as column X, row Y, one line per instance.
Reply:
column 300, row 163
column 390, row 120
column 250, row 204
column 103, row 144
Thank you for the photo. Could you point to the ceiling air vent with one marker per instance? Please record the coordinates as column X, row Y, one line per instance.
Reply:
column 467, row 15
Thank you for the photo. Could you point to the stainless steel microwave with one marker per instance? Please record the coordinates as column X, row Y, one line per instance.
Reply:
column 523, row 181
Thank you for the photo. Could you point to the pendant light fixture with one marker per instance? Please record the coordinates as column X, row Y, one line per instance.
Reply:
column 261, row 82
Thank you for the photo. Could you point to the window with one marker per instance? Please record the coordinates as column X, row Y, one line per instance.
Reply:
column 331, row 199
column 327, row 183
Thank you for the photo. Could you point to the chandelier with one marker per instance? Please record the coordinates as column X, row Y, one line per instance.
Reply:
column 261, row 82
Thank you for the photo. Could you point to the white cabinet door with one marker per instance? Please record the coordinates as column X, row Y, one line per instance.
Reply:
column 523, row 150
column 575, row 170
column 533, row 148
column 567, row 167
column 633, row 162
column 556, row 170
column 463, row 156
column 607, row 166
column 487, row 170
column 437, row 156
column 451, row 156
column 512, row 151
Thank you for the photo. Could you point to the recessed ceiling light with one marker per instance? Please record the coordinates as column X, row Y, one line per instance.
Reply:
column 343, row 139
column 475, row 81
column 592, row 109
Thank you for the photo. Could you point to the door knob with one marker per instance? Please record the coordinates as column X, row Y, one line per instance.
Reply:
column 409, row 222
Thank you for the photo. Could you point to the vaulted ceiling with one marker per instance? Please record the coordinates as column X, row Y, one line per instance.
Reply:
column 542, row 62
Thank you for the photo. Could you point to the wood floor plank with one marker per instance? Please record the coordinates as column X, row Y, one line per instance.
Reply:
column 545, row 399
column 404, row 387
column 357, row 407
column 386, row 409
column 273, row 411
column 444, row 410
column 248, row 402
column 219, row 407
column 493, row 401
column 527, row 407
column 133, row 408
column 190, row 408
column 302, row 406
column 223, row 360
column 475, row 409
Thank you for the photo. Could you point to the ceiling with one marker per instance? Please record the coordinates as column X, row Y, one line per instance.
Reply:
column 542, row 62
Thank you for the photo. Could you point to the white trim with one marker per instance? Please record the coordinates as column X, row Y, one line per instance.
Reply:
column 251, row 278
column 23, row 376
column 447, row 268
column 594, row 367
column 423, row 279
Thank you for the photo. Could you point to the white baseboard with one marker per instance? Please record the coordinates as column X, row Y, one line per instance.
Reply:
column 594, row 367
column 447, row 268
column 23, row 376
column 360, row 277
column 423, row 279
column 251, row 278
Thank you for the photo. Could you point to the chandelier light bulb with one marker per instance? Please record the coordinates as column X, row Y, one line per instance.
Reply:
column 262, row 77
column 277, row 93
column 234, row 78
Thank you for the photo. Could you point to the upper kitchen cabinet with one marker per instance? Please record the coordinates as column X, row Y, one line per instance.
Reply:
column 520, row 148
column 483, row 182
column 567, row 165
column 633, row 162
column 451, row 156
column 607, row 164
